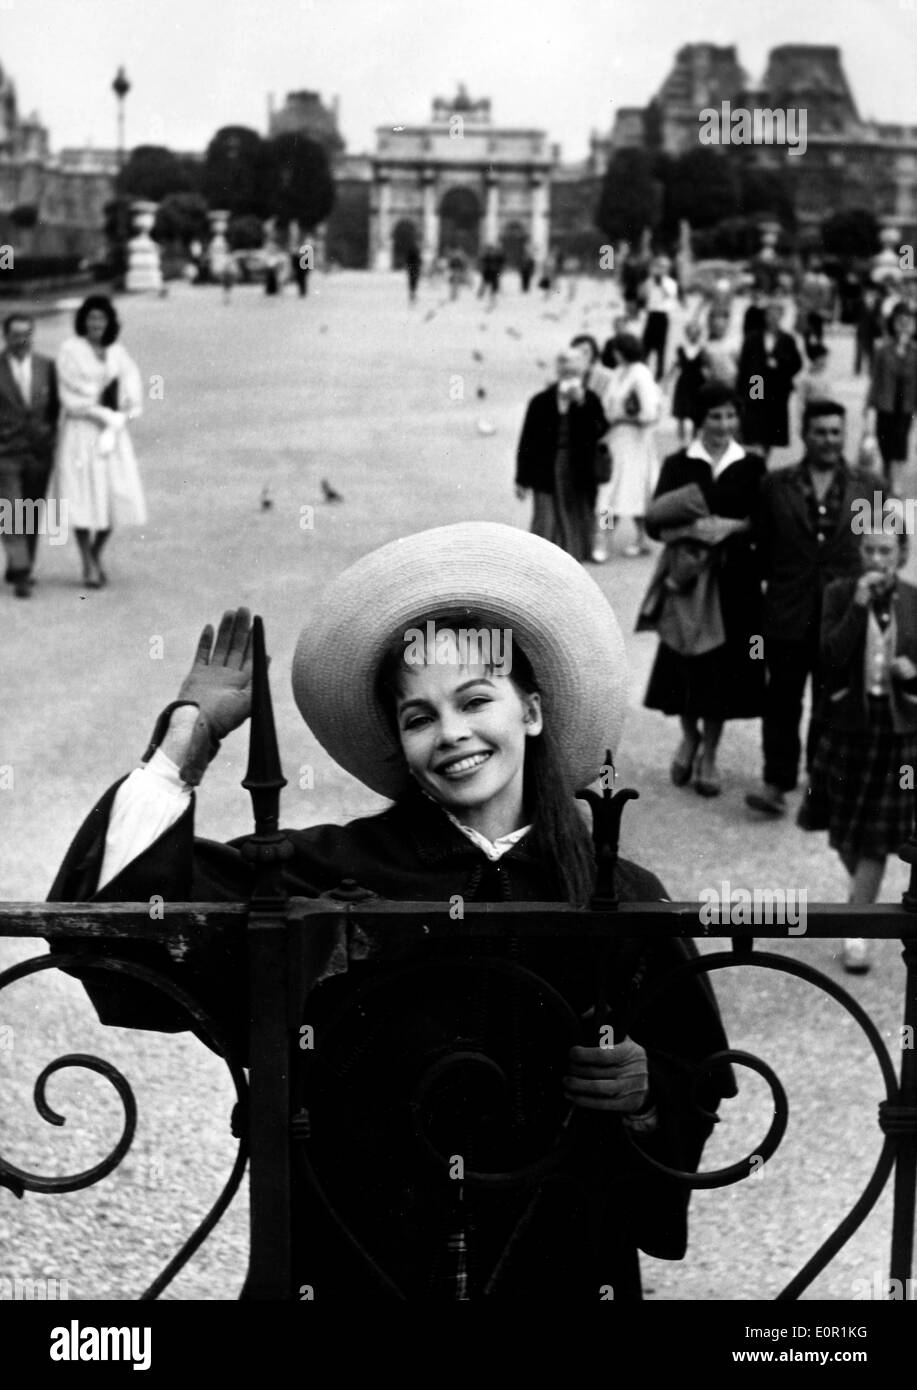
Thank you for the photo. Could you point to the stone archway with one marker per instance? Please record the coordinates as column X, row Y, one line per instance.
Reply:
column 460, row 222
column 405, row 235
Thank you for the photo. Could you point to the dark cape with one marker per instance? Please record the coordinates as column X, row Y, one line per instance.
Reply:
column 728, row 682
column 556, row 1237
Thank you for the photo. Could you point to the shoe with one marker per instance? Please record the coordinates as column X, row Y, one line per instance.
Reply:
column 707, row 786
column 680, row 772
column 770, row 800
column 855, row 956
column 22, row 588
column 599, row 556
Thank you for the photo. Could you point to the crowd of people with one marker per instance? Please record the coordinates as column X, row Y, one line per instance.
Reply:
column 767, row 581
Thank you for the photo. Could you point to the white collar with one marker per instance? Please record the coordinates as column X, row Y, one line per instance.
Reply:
column 733, row 453
column 494, row 849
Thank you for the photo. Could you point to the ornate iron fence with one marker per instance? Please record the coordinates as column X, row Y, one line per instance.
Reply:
column 289, row 943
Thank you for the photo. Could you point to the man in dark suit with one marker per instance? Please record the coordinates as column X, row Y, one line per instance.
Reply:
column 768, row 364
column 28, row 427
column 805, row 538
column 556, row 458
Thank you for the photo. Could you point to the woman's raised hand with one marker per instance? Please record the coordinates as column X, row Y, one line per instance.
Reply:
column 220, row 684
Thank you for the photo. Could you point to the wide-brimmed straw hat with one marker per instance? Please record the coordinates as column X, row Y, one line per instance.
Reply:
column 506, row 578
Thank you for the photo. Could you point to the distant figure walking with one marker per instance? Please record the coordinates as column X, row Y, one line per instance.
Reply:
column 97, row 476
column 28, row 425
column 526, row 271
column 631, row 404
column 557, row 456
column 301, row 264
column 768, row 366
column 412, row 264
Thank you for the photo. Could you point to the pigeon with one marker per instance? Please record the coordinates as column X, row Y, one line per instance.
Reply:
column 323, row 328
column 481, row 393
column 477, row 356
column 430, row 314
column 542, row 363
column 329, row 493
column 485, row 427
column 514, row 332
column 267, row 500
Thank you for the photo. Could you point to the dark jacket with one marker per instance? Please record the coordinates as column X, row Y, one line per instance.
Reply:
column 361, row 1083
column 27, row 432
column 843, row 646
column 882, row 382
column 764, row 390
column 538, row 441
column 796, row 569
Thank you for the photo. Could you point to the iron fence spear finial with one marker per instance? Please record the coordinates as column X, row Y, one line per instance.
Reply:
column 267, row 847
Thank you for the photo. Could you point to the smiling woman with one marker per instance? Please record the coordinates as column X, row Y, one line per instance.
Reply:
column 483, row 767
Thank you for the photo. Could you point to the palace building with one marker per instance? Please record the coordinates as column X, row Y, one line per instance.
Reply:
column 849, row 162
column 50, row 205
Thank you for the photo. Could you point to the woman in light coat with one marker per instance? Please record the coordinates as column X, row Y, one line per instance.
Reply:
column 631, row 405
column 97, row 476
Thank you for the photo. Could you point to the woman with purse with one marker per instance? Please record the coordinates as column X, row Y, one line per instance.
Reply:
column 97, row 476
column 631, row 404
column 722, row 678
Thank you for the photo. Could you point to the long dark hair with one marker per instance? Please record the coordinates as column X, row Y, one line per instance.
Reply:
column 559, row 835
column 104, row 304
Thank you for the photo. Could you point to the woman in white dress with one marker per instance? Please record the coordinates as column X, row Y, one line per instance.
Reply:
column 631, row 404
column 97, row 476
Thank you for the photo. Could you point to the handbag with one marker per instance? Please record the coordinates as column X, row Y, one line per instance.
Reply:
column 109, row 396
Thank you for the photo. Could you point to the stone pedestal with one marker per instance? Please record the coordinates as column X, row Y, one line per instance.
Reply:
column 887, row 264
column 144, row 273
column 218, row 250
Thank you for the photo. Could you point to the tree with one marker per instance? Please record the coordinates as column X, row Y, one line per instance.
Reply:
column 854, row 232
column 182, row 217
column 630, row 196
column 245, row 233
column 701, row 186
column 152, row 172
column 301, row 184
column 767, row 191
column 236, row 171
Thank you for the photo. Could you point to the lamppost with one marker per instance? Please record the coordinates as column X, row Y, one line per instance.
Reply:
column 121, row 86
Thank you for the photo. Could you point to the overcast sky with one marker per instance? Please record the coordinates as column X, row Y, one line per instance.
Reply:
column 565, row 66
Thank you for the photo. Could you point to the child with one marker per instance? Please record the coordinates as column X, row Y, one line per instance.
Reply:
column 690, row 378
column 481, row 751
column 858, row 791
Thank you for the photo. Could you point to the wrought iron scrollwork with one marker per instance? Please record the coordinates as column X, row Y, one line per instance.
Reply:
column 723, row 960
column 20, row 1180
